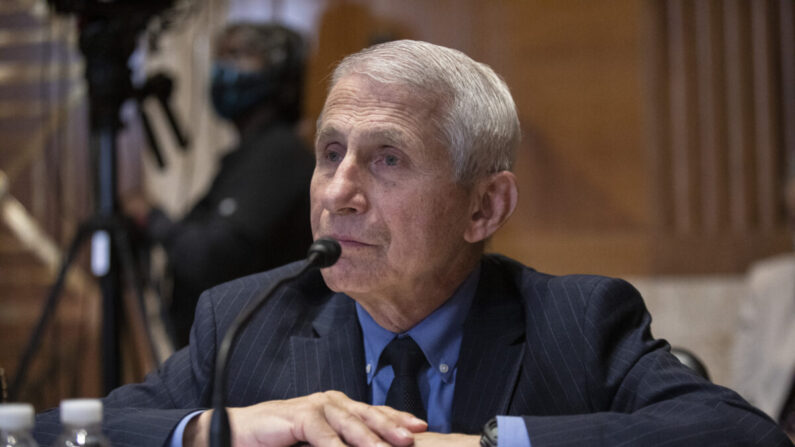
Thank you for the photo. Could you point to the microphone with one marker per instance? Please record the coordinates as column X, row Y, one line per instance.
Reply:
column 324, row 252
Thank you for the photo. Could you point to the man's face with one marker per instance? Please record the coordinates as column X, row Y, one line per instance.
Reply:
column 384, row 187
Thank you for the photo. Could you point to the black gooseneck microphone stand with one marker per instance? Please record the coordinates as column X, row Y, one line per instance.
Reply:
column 324, row 252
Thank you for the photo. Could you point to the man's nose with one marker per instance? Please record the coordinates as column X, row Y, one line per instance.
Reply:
column 344, row 193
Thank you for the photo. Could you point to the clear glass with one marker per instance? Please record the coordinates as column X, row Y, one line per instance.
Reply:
column 17, row 438
column 90, row 436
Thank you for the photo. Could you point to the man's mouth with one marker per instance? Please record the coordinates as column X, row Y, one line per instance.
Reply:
column 349, row 241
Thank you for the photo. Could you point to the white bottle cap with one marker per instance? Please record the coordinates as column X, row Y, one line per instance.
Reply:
column 14, row 417
column 81, row 412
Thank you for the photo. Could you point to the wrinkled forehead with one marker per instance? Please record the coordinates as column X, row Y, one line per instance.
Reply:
column 359, row 91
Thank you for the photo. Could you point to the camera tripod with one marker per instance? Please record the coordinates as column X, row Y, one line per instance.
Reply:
column 107, row 39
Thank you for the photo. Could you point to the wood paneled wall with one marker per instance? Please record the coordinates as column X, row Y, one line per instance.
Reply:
column 720, row 113
column 46, row 191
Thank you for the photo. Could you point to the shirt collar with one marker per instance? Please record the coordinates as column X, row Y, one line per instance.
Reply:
column 439, row 335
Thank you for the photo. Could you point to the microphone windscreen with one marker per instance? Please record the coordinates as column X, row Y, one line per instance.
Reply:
column 324, row 252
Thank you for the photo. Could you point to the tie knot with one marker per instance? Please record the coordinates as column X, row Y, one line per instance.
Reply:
column 405, row 356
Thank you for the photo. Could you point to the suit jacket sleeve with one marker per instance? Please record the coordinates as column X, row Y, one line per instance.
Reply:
column 638, row 393
column 146, row 413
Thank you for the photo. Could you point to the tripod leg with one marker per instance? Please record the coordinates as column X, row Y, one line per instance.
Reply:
column 111, row 316
column 134, row 277
column 49, row 308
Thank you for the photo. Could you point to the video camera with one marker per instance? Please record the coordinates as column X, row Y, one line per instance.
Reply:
column 109, row 33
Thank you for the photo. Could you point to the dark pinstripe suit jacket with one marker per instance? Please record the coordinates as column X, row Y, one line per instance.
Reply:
column 571, row 354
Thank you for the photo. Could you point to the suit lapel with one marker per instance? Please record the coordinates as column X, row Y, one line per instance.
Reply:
column 333, row 359
column 491, row 353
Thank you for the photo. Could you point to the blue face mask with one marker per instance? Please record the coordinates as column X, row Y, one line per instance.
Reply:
column 236, row 92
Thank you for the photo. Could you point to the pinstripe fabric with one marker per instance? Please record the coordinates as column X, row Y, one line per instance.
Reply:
column 573, row 355
column 591, row 373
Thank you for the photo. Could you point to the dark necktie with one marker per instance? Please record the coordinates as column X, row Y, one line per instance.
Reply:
column 406, row 359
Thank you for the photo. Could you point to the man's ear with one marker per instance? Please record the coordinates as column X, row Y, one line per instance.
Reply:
column 494, row 199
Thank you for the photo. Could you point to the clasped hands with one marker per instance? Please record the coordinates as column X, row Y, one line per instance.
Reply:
column 323, row 419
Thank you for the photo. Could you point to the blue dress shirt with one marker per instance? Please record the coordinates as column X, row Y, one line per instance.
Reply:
column 439, row 336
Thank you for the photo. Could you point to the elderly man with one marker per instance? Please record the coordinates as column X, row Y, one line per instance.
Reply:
column 413, row 153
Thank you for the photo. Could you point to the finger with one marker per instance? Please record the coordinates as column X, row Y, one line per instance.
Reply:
column 389, row 424
column 355, row 431
column 405, row 419
column 317, row 431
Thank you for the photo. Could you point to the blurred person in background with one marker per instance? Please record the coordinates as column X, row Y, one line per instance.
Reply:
column 255, row 215
column 764, row 355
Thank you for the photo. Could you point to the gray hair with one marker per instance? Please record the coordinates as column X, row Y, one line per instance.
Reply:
column 479, row 123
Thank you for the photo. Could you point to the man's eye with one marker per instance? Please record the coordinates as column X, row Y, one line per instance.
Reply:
column 391, row 160
column 333, row 156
